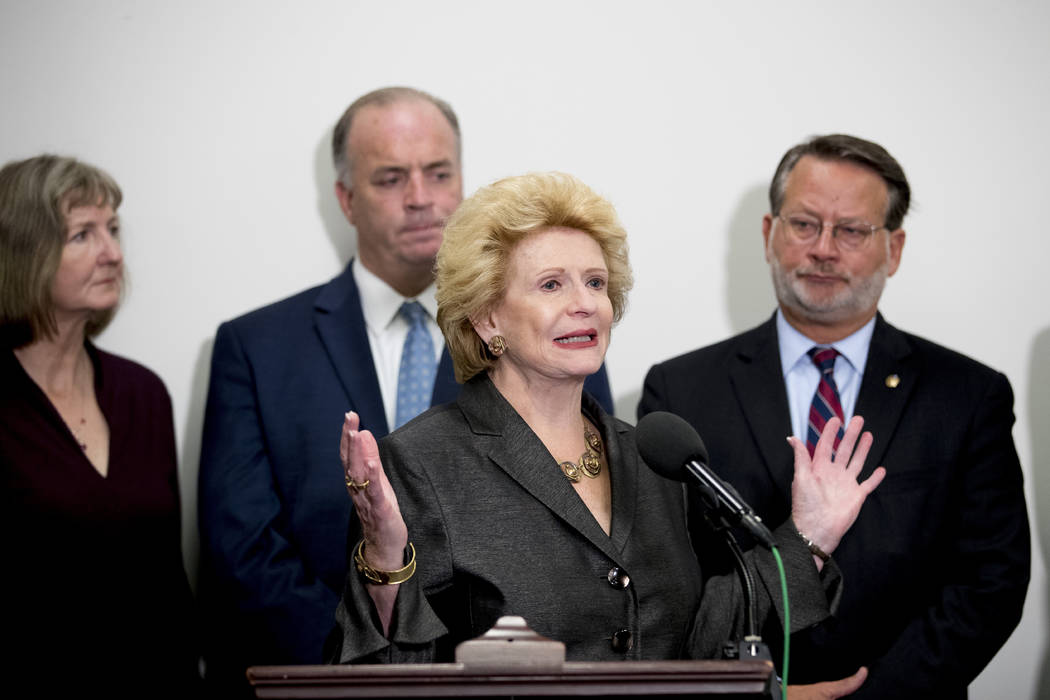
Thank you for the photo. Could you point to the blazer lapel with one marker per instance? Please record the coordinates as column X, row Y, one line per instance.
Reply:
column 758, row 385
column 890, row 376
column 341, row 327
column 623, row 460
column 518, row 451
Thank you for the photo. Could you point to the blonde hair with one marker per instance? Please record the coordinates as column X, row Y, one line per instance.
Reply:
column 35, row 196
column 479, row 237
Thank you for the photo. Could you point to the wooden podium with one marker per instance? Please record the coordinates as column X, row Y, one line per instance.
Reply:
column 513, row 661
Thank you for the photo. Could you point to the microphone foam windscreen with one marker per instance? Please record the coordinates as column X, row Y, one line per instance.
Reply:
column 666, row 442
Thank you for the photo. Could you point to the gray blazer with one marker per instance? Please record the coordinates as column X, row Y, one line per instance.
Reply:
column 498, row 530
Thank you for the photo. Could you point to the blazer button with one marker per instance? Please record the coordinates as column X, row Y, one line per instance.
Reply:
column 622, row 641
column 618, row 578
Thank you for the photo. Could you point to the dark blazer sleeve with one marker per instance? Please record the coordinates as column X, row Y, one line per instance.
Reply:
column 415, row 627
column 265, row 591
column 812, row 595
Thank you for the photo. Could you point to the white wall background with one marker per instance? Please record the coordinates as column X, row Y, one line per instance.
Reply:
column 215, row 118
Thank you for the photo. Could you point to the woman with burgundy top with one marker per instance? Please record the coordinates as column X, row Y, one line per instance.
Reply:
column 94, row 593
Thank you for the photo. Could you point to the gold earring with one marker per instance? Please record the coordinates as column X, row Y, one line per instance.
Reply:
column 498, row 345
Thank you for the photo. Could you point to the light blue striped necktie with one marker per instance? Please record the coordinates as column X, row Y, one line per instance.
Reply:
column 415, row 378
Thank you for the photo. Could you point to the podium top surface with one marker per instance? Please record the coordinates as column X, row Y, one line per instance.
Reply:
column 737, row 679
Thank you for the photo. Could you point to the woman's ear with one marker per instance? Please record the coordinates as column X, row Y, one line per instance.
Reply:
column 484, row 326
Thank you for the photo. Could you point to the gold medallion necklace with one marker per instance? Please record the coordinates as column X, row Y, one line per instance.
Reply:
column 590, row 464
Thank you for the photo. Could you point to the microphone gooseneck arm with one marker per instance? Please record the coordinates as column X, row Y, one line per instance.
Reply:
column 720, row 496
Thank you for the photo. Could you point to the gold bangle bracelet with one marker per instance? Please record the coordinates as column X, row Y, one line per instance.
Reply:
column 384, row 578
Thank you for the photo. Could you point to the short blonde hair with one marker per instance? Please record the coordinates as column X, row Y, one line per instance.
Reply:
column 35, row 196
column 479, row 237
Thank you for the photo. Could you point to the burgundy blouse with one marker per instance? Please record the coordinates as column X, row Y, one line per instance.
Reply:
column 94, row 589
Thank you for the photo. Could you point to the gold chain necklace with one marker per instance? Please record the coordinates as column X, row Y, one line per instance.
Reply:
column 590, row 464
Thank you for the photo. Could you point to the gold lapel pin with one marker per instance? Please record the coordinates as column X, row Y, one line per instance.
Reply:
column 893, row 381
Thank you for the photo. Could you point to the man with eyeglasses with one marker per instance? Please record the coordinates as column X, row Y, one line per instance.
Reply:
column 936, row 566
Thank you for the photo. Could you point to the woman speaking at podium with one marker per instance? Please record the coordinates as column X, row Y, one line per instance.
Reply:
column 523, row 497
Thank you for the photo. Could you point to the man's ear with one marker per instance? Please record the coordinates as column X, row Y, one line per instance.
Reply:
column 896, row 247
column 345, row 196
column 767, row 231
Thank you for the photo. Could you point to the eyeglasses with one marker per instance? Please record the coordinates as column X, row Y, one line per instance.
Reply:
column 851, row 235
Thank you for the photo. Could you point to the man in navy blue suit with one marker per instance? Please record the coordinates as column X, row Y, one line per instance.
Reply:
column 936, row 566
column 273, row 506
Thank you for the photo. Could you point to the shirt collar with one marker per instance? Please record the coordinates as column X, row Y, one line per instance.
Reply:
column 380, row 302
column 794, row 345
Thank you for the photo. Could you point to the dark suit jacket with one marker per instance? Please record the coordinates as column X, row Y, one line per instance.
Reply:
column 498, row 530
column 273, row 506
column 936, row 566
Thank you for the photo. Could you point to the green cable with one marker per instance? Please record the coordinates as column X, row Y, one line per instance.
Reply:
column 787, row 625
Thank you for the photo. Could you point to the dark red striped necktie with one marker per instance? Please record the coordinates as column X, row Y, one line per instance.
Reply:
column 826, row 399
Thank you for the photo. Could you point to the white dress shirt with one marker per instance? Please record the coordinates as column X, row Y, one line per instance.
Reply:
column 801, row 376
column 387, row 330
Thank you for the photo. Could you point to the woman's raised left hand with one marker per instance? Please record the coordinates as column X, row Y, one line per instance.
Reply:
column 825, row 494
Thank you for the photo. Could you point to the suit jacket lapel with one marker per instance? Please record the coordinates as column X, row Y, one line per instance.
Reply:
column 445, row 386
column 756, row 372
column 518, row 451
column 341, row 327
column 890, row 362
column 758, row 384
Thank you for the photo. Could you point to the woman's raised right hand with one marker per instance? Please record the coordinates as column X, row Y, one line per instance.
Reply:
column 383, row 528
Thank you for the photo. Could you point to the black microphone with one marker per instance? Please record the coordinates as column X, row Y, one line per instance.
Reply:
column 674, row 450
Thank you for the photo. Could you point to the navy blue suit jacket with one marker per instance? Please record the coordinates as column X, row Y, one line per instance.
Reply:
column 936, row 567
column 273, row 507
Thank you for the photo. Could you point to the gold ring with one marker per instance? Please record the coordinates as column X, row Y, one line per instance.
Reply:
column 354, row 486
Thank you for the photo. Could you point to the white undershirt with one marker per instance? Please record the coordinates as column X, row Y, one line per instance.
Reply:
column 801, row 376
column 387, row 330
